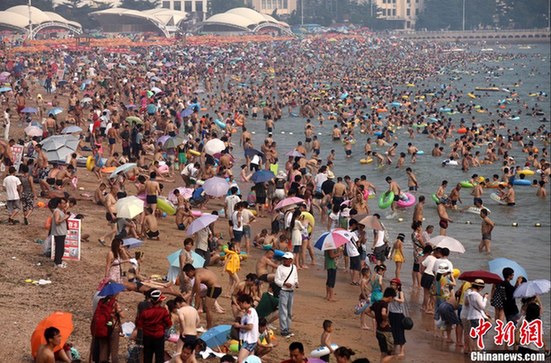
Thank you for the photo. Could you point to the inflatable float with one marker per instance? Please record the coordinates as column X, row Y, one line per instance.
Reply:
column 321, row 351
column 522, row 182
column 407, row 202
column 386, row 199
column 311, row 221
column 165, row 206
column 496, row 198
column 366, row 161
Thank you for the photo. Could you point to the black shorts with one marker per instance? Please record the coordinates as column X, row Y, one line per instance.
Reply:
column 260, row 200
column 151, row 234
column 348, row 152
column 413, row 188
column 109, row 217
column 355, row 263
column 331, row 278
column 151, row 199
column 297, row 249
column 263, row 277
column 214, row 292
column 479, row 200
column 416, row 267
column 427, row 280
column 396, row 198
column 50, row 181
column 188, row 339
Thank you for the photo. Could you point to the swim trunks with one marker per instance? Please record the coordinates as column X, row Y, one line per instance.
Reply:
column 443, row 223
column 151, row 199
column 214, row 292
column 487, row 236
column 151, row 234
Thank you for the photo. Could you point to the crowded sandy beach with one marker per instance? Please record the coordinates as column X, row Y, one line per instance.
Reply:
column 331, row 198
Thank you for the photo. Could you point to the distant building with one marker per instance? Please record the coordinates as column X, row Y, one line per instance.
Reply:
column 196, row 8
column 402, row 14
column 284, row 7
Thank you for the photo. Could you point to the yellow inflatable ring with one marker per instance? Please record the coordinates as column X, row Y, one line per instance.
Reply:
column 366, row 161
column 311, row 221
column 195, row 152
column 90, row 163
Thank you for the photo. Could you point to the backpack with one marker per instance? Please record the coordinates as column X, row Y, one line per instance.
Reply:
column 103, row 319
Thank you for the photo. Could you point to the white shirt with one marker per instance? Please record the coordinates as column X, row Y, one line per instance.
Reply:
column 380, row 239
column 249, row 336
column 10, row 184
column 440, row 261
column 428, row 263
column 231, row 201
column 319, row 179
column 236, row 222
column 246, row 215
column 351, row 248
column 281, row 274
column 189, row 170
column 477, row 305
column 255, row 160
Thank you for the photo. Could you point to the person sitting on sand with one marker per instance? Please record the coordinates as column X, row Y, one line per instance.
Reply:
column 46, row 352
column 150, row 228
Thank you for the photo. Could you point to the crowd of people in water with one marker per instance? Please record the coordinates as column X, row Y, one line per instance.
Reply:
column 172, row 126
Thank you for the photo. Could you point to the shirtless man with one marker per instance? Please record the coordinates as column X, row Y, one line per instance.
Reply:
column 46, row 353
column 113, row 138
column 51, row 125
column 418, row 210
column 455, row 196
column 209, row 279
column 509, row 196
column 339, row 192
column 189, row 322
column 477, row 192
column 183, row 211
column 444, row 218
column 152, row 191
column 150, row 227
column 110, row 214
column 100, row 194
column 336, row 133
column 263, row 265
column 413, row 185
column 394, row 188
column 412, row 150
column 487, row 226
column 441, row 192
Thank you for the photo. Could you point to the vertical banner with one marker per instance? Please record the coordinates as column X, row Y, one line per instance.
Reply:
column 72, row 241
column 17, row 152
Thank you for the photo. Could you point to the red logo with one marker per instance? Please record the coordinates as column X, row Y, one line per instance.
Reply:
column 479, row 332
column 531, row 332
column 505, row 333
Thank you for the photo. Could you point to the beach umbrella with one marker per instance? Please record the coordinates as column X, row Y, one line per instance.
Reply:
column 262, row 176
column 295, row 154
column 249, row 152
column 132, row 242
column 60, row 154
column 488, row 277
column 288, row 202
column 36, row 123
column 55, row 142
column 5, row 89
column 130, row 106
column 217, row 336
column 214, row 146
column 174, row 262
column 447, row 242
column 156, row 90
column 162, row 139
column 29, row 110
column 71, row 129
column 134, row 120
column 122, row 169
column 129, row 207
column 532, row 288
column 497, row 265
column 54, row 111
column 173, row 142
column 198, row 224
column 59, row 319
column 216, row 186
column 33, row 131
column 333, row 239
column 187, row 112
column 372, row 222
column 110, row 289
column 86, row 100
column 185, row 192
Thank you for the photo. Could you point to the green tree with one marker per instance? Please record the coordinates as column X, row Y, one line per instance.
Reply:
column 139, row 4
column 220, row 6
column 44, row 5
column 76, row 10
column 519, row 14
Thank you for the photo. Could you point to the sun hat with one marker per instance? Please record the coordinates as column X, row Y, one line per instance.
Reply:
column 443, row 268
column 281, row 175
column 157, row 296
column 288, row 255
column 478, row 283
column 396, row 281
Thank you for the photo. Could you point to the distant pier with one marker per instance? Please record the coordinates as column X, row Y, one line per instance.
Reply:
column 474, row 36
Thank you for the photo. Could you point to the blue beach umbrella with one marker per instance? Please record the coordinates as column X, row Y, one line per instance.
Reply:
column 174, row 261
column 111, row 288
column 54, row 111
column 5, row 89
column 497, row 266
column 262, row 176
column 29, row 110
column 187, row 112
column 217, row 336
column 132, row 242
